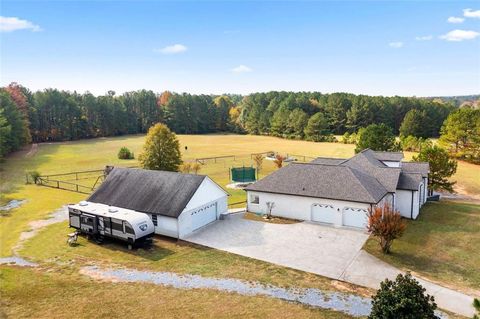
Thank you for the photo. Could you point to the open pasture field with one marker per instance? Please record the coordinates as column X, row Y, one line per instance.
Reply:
column 48, row 246
column 94, row 154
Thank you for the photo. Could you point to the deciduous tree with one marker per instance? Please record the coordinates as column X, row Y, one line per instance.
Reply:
column 161, row 150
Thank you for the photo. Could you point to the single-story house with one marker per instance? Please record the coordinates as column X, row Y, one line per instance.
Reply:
column 177, row 203
column 341, row 191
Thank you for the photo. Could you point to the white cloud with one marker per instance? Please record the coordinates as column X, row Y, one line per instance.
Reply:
column 469, row 13
column 241, row 69
column 172, row 49
column 455, row 20
column 9, row 24
column 459, row 35
column 424, row 38
column 396, row 45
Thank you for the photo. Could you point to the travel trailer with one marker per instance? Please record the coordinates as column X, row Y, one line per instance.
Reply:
column 100, row 221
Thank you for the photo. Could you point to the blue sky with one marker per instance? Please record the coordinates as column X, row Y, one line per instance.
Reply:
column 421, row 48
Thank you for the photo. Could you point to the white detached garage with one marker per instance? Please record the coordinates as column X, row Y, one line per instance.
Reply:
column 177, row 203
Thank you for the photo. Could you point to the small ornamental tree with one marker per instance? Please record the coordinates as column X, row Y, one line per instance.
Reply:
column 476, row 305
column 125, row 153
column 442, row 167
column 386, row 224
column 279, row 159
column 258, row 160
column 161, row 150
column 403, row 298
column 196, row 167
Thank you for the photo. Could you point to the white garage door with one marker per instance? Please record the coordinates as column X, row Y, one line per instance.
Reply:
column 204, row 215
column 323, row 213
column 355, row 217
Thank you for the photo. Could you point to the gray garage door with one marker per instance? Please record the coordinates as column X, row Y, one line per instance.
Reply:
column 323, row 213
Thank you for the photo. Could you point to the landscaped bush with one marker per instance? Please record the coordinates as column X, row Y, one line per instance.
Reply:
column 125, row 153
column 403, row 298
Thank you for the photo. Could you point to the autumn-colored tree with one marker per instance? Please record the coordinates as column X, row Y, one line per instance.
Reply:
column 161, row 150
column 386, row 224
column 279, row 159
column 258, row 160
column 18, row 97
column 186, row 168
column 196, row 167
column 164, row 98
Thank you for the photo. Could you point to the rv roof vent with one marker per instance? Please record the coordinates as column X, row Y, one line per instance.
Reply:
column 112, row 210
column 83, row 203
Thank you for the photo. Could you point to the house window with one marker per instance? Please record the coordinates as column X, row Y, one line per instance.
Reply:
column 154, row 220
column 254, row 199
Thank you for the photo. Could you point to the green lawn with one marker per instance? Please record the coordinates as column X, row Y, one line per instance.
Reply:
column 442, row 245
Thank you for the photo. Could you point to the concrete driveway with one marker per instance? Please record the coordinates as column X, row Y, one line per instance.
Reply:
column 331, row 252
column 305, row 246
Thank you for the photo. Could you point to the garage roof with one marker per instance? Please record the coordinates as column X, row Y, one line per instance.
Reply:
column 147, row 191
column 322, row 181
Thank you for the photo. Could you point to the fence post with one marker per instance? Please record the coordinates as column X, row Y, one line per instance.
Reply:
column 77, row 187
column 58, row 184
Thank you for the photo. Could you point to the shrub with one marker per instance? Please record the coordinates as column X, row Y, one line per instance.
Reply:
column 414, row 144
column 125, row 153
column 403, row 298
column 34, row 176
column 186, row 168
column 386, row 224
column 279, row 159
column 476, row 305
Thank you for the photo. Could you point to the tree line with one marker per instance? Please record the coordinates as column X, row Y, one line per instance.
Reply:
column 55, row 115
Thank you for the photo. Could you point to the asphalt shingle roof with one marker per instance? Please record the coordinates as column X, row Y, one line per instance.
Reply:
column 367, row 162
column 328, row 160
column 389, row 156
column 147, row 191
column 322, row 181
column 409, row 181
column 416, row 167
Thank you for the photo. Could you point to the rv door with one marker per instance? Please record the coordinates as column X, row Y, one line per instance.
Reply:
column 101, row 225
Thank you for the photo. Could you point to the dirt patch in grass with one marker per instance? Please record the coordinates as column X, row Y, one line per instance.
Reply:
column 272, row 220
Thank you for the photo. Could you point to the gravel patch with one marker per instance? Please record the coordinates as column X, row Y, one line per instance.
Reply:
column 17, row 261
column 13, row 204
column 347, row 303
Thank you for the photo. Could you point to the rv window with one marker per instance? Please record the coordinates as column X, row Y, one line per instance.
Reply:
column 117, row 226
column 123, row 224
column 128, row 229
column 155, row 220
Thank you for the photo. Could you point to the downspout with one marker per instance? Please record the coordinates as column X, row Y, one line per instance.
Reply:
column 411, row 208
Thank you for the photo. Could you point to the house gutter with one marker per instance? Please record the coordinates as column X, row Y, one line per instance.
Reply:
column 411, row 208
